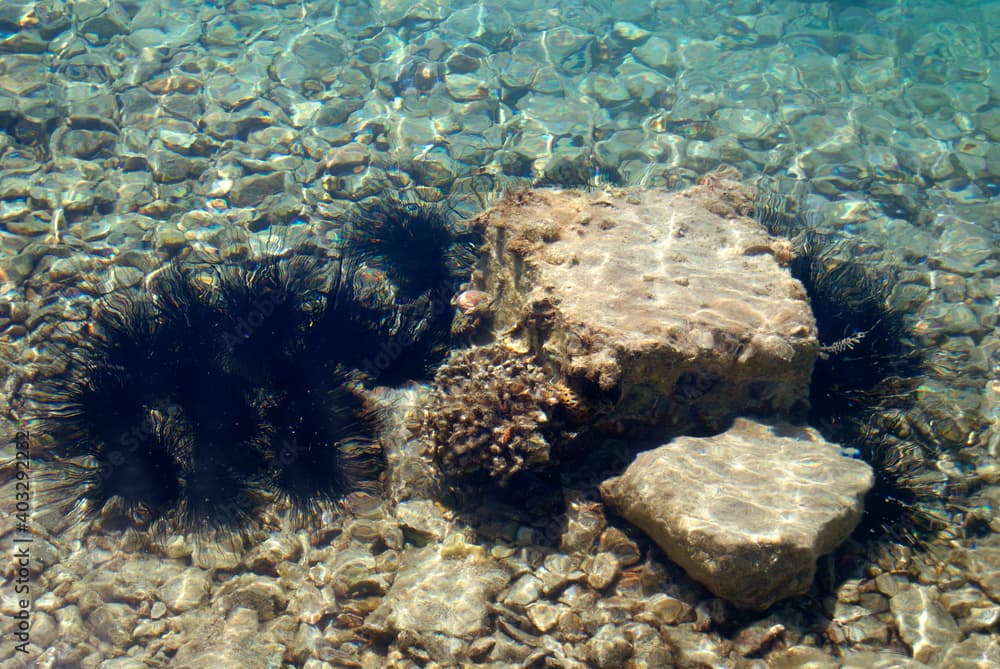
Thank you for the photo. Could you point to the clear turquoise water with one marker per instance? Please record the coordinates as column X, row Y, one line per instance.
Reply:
column 126, row 123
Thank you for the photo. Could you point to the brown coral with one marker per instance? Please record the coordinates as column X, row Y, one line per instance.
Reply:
column 492, row 410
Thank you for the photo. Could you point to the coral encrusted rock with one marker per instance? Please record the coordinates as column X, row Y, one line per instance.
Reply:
column 439, row 592
column 492, row 410
column 674, row 307
column 746, row 513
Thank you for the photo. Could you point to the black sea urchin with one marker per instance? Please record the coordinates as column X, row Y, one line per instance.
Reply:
column 413, row 258
column 863, row 389
column 866, row 354
column 304, row 468
column 140, row 473
column 107, row 420
column 419, row 247
column 221, row 386
column 265, row 312
column 863, row 386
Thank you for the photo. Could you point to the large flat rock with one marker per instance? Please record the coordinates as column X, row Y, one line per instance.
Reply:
column 746, row 513
column 676, row 307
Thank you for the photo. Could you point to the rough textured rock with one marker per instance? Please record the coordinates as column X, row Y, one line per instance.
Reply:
column 186, row 591
column 441, row 590
column 237, row 641
column 982, row 564
column 676, row 306
column 747, row 512
column 926, row 627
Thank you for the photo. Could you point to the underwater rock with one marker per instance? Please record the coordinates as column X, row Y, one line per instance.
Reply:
column 186, row 591
column 239, row 640
column 746, row 513
column 442, row 590
column 674, row 307
column 923, row 623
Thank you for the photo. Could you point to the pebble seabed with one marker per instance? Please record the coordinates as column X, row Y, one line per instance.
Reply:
column 134, row 132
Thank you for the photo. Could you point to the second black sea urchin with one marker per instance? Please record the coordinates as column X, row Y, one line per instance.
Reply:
column 863, row 388
column 414, row 258
column 863, row 392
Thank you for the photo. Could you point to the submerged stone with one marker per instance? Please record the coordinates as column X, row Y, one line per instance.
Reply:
column 676, row 307
column 746, row 513
column 923, row 624
column 439, row 590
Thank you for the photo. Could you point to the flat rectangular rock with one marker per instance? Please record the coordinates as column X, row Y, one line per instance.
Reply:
column 676, row 306
column 747, row 512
